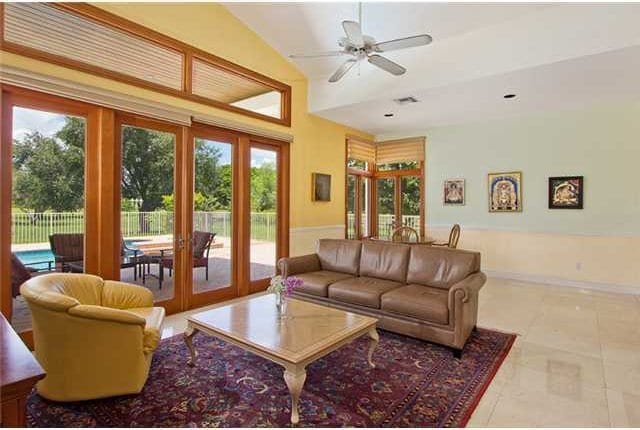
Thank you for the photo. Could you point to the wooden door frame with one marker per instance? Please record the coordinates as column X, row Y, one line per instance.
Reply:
column 177, row 303
column 97, row 205
column 282, row 205
column 202, row 131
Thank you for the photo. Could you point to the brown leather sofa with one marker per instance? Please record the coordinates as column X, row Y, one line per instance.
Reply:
column 426, row 292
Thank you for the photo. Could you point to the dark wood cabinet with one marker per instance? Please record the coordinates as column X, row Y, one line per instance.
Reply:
column 19, row 371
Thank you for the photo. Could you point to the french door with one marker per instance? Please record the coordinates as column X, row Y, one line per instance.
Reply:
column 196, row 214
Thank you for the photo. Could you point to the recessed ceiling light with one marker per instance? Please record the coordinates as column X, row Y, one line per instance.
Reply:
column 509, row 96
column 388, row 115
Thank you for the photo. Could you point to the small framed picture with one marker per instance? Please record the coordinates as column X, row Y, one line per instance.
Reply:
column 453, row 192
column 321, row 191
column 505, row 192
column 566, row 192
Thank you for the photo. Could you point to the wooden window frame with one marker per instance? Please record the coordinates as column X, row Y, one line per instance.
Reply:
column 187, row 51
column 374, row 174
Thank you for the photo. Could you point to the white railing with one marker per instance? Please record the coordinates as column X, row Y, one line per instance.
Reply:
column 37, row 227
column 386, row 224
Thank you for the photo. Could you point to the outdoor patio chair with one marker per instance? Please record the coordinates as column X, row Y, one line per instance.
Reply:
column 67, row 248
column 202, row 241
column 21, row 273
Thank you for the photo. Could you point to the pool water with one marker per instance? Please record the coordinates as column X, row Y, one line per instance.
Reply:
column 43, row 256
column 37, row 256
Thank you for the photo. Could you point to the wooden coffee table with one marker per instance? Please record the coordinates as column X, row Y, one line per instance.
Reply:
column 306, row 333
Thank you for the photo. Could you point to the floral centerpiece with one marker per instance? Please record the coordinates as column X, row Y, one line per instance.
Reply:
column 283, row 288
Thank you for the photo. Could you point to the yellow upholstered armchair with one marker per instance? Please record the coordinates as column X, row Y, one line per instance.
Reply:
column 94, row 338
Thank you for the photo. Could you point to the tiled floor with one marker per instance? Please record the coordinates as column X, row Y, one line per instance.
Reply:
column 576, row 362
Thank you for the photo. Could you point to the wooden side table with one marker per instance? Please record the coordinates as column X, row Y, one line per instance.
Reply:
column 19, row 371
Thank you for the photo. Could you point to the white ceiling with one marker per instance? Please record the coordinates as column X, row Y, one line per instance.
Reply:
column 554, row 57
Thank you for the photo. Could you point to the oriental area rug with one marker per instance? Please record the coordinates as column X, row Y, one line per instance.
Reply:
column 415, row 384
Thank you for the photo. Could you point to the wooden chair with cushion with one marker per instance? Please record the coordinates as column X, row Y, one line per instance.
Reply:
column 405, row 234
column 454, row 236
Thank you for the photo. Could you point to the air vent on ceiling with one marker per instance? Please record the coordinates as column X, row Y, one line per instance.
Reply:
column 406, row 100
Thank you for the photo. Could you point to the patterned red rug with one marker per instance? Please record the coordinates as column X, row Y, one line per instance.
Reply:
column 415, row 384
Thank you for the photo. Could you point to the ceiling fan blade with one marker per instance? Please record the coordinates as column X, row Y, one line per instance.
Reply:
column 406, row 42
column 354, row 32
column 386, row 64
column 343, row 69
column 319, row 54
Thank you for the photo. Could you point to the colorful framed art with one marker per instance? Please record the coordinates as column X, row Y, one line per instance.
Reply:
column 505, row 192
column 566, row 192
column 453, row 192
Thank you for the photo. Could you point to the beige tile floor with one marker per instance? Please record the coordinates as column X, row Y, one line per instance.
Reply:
column 576, row 362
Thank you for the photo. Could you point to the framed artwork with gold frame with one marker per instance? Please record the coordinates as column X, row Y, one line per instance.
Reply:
column 321, row 187
column 505, row 192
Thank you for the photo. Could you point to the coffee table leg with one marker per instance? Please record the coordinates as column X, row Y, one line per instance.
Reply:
column 373, row 335
column 294, row 377
column 188, row 339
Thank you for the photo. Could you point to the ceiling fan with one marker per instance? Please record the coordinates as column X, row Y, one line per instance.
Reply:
column 360, row 46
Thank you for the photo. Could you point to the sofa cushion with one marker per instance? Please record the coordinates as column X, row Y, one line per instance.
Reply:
column 440, row 267
column 418, row 301
column 363, row 291
column 339, row 255
column 384, row 260
column 316, row 283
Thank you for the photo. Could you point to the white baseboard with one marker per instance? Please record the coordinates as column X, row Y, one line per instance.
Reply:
column 549, row 280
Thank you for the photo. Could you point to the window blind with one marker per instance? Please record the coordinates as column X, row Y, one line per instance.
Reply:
column 361, row 149
column 399, row 151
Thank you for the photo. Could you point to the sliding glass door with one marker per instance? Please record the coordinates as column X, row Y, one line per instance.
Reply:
column 47, row 198
column 150, row 237
column 263, row 214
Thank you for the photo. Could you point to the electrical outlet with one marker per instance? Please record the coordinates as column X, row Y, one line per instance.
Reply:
column 579, row 266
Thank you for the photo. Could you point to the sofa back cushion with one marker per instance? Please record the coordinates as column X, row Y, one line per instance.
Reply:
column 440, row 267
column 384, row 260
column 339, row 255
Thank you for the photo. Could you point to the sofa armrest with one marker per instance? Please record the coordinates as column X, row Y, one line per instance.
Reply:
column 106, row 314
column 463, row 306
column 120, row 295
column 464, row 290
column 290, row 266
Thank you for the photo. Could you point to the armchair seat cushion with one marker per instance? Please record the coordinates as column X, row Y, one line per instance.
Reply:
column 363, row 291
column 317, row 283
column 153, row 326
column 418, row 301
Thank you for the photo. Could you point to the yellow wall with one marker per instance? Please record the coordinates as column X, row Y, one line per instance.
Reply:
column 318, row 144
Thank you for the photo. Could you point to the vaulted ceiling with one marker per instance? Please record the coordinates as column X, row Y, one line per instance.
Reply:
column 552, row 56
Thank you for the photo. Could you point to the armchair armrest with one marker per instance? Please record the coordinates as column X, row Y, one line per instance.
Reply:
column 290, row 266
column 120, row 295
column 466, row 288
column 106, row 314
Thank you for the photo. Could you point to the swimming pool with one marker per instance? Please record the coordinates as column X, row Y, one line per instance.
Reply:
column 43, row 256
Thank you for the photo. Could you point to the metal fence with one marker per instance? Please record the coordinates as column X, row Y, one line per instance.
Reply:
column 37, row 227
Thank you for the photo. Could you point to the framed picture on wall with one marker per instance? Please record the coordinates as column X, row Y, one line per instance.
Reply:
column 566, row 192
column 453, row 192
column 321, row 187
column 505, row 192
